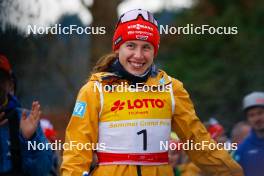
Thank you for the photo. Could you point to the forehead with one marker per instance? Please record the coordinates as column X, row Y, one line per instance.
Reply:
column 255, row 109
column 138, row 42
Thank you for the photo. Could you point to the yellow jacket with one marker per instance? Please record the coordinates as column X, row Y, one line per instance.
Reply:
column 189, row 169
column 84, row 128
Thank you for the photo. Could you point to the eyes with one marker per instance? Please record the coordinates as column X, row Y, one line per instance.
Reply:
column 145, row 47
column 130, row 45
column 259, row 112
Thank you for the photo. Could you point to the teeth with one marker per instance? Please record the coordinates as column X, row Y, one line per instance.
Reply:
column 136, row 65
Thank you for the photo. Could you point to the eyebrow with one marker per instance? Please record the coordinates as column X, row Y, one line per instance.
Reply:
column 130, row 43
column 147, row 44
column 144, row 45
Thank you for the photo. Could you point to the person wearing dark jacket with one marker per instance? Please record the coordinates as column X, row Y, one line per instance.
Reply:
column 250, row 153
column 18, row 129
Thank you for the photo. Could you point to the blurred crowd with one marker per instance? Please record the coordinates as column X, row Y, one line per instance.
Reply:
column 18, row 128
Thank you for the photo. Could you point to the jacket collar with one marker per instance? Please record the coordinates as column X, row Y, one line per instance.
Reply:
column 157, row 79
column 255, row 139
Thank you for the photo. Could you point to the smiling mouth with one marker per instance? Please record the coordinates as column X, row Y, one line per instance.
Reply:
column 136, row 65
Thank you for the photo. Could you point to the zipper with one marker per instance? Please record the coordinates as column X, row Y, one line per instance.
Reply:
column 139, row 170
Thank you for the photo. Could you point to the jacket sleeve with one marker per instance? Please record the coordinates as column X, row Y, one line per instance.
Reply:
column 36, row 160
column 188, row 127
column 82, row 130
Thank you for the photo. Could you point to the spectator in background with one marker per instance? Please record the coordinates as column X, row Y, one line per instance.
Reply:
column 48, row 130
column 240, row 131
column 50, row 134
column 180, row 162
column 175, row 154
column 217, row 132
column 215, row 129
column 250, row 153
column 17, row 128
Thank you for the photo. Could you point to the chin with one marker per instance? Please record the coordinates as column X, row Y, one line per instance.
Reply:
column 139, row 74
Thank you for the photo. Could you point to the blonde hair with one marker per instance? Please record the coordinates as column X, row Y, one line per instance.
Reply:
column 103, row 64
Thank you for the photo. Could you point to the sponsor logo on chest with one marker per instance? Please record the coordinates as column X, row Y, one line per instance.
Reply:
column 138, row 104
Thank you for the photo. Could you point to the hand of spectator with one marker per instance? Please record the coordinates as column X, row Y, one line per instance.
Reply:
column 2, row 120
column 28, row 125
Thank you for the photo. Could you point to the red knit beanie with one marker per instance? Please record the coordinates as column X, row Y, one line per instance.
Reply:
column 4, row 64
column 138, row 29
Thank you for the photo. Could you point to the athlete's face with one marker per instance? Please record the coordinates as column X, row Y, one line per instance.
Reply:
column 255, row 118
column 136, row 56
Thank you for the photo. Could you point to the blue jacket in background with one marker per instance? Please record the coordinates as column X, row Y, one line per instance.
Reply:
column 34, row 162
column 250, row 155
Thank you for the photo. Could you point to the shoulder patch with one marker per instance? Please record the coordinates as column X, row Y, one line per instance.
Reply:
column 79, row 109
column 162, row 81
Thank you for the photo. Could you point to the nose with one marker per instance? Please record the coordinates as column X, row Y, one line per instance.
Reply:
column 138, row 54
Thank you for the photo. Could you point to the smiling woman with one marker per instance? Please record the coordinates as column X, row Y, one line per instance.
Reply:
column 140, row 120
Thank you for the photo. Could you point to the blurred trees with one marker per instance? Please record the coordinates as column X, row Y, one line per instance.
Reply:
column 218, row 70
column 58, row 64
column 50, row 68
column 104, row 14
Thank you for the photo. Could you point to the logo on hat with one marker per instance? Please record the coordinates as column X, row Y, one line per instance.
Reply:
column 260, row 100
column 141, row 37
column 118, row 40
column 140, row 26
